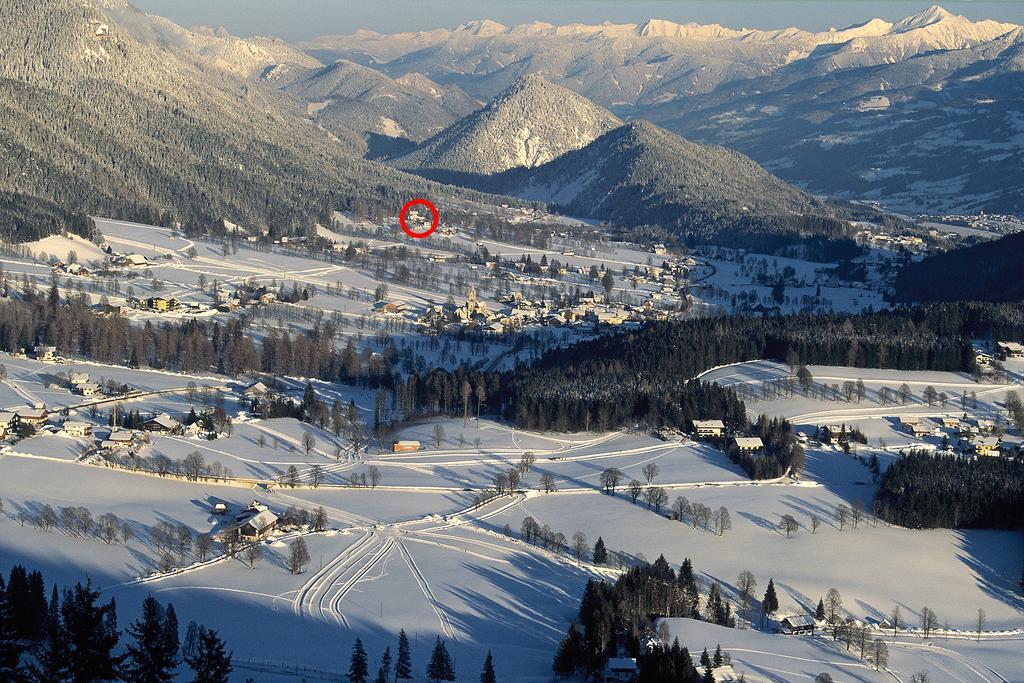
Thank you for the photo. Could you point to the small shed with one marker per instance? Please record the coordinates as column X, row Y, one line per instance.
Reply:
column 405, row 446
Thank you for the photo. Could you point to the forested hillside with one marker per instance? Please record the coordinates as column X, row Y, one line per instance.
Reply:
column 924, row 490
column 641, row 174
column 990, row 271
column 97, row 121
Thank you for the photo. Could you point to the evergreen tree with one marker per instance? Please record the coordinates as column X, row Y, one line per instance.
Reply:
column 569, row 657
column 51, row 655
column 440, row 667
column 819, row 613
column 210, row 663
column 716, row 661
column 26, row 600
column 358, row 668
column 10, row 645
column 600, row 552
column 487, row 675
column 403, row 663
column 385, row 666
column 705, row 660
column 770, row 604
column 688, row 585
column 92, row 634
column 152, row 657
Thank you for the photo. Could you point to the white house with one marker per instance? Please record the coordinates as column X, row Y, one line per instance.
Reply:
column 87, row 388
column 75, row 428
column 748, row 444
column 46, row 353
column 706, row 428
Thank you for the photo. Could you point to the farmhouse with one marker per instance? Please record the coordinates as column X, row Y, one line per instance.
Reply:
column 748, row 444
column 405, row 446
column 258, row 526
column 257, row 390
column 74, row 428
column 161, row 423
column 920, row 429
column 32, row 416
column 46, row 353
column 620, row 670
column 87, row 388
column 76, row 378
column 1010, row 350
column 706, row 428
column 951, row 422
column 797, row 625
column 118, row 440
column 988, row 445
column 8, row 421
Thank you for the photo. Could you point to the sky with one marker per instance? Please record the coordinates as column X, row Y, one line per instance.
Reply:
column 297, row 20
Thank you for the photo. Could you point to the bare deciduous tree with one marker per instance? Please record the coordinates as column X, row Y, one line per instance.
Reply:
column 650, row 471
column 579, row 545
column 788, row 524
column 610, row 480
column 298, row 556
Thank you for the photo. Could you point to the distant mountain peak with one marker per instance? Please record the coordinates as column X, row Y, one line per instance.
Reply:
column 928, row 17
column 532, row 122
column 481, row 27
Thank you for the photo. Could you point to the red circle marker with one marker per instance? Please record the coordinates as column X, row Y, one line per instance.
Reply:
column 433, row 222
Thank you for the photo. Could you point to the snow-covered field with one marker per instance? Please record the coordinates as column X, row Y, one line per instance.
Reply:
column 414, row 552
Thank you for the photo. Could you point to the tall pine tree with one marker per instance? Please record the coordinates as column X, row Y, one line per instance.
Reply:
column 51, row 655
column 403, row 663
column 10, row 644
column 210, row 663
column 358, row 668
column 440, row 667
column 92, row 634
column 770, row 604
column 152, row 657
column 487, row 675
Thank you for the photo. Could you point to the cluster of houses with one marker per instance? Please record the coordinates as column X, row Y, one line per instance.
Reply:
column 1006, row 350
column 226, row 300
column 60, row 268
column 884, row 240
column 127, row 260
column 518, row 312
column 78, row 383
column 715, row 429
column 978, row 435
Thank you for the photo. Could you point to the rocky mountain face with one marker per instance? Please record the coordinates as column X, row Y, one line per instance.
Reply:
column 922, row 112
column 529, row 124
column 109, row 111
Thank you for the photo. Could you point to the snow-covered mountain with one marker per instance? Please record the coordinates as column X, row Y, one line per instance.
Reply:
column 348, row 96
column 923, row 112
column 529, row 124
